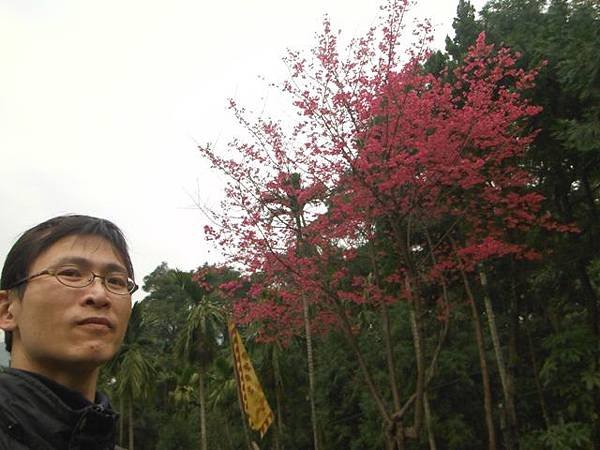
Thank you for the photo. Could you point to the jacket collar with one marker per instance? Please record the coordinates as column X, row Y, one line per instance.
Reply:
column 45, row 414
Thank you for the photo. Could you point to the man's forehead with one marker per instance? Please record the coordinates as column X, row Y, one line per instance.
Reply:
column 87, row 263
column 82, row 249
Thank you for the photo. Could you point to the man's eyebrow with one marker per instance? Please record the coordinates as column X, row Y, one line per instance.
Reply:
column 83, row 262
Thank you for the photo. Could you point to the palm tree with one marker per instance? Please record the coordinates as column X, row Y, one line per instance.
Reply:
column 133, row 370
column 223, row 393
column 196, row 343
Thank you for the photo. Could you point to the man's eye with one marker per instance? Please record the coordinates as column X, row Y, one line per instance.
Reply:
column 117, row 280
column 69, row 272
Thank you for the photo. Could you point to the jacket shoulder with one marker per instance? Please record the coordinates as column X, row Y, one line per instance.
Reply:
column 9, row 432
column 8, row 443
column 7, row 439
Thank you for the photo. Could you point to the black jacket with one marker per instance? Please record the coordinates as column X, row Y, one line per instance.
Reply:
column 39, row 414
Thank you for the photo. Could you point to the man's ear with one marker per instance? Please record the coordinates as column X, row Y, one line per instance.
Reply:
column 7, row 319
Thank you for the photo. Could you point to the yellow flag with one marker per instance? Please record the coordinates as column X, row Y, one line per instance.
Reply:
column 254, row 402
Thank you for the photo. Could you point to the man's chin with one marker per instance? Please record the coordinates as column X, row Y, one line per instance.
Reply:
column 90, row 358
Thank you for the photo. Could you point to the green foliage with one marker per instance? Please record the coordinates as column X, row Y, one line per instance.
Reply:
column 133, row 367
column 466, row 30
column 568, row 436
column 178, row 433
column 569, row 372
column 458, row 433
column 165, row 307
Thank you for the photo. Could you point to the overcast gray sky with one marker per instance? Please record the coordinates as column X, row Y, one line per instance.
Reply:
column 101, row 102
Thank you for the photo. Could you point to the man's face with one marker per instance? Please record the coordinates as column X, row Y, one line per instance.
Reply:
column 61, row 327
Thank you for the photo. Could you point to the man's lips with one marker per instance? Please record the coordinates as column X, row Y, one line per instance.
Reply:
column 96, row 321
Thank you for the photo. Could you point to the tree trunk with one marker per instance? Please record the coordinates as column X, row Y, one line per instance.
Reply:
column 311, row 372
column 389, row 351
column 387, row 334
column 278, row 400
column 381, row 408
column 229, row 437
column 130, row 424
column 428, row 425
column 510, row 435
column 487, row 392
column 402, row 242
column 415, row 325
column 201, row 394
column 303, row 249
column 536, row 377
column 513, row 345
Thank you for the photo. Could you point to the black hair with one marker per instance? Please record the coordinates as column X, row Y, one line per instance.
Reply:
column 39, row 238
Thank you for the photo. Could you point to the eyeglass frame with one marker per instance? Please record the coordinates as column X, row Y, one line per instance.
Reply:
column 52, row 271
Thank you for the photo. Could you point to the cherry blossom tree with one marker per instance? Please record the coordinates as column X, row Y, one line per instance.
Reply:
column 388, row 184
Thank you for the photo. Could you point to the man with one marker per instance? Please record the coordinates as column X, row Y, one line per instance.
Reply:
column 65, row 300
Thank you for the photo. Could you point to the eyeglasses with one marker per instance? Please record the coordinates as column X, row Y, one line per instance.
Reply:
column 76, row 277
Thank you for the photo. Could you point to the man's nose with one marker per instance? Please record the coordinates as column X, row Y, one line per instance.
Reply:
column 96, row 292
